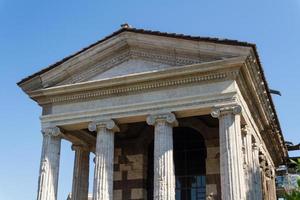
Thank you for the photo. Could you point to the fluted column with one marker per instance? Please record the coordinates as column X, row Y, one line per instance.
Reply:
column 49, row 167
column 231, row 158
column 80, row 184
column 256, row 172
column 249, row 181
column 103, row 177
column 164, row 173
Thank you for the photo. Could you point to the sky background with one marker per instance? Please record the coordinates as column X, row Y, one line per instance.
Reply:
column 35, row 34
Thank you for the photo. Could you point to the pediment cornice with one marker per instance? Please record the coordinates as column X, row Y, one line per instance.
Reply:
column 125, row 46
column 189, row 74
column 254, row 91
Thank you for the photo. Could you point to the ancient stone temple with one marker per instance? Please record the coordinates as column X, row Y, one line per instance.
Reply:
column 167, row 116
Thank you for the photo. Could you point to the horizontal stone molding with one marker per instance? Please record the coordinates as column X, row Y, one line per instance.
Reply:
column 117, row 112
column 139, row 87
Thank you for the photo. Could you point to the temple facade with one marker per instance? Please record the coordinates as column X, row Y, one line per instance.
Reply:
column 167, row 116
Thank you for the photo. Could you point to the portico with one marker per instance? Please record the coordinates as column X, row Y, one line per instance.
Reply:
column 141, row 102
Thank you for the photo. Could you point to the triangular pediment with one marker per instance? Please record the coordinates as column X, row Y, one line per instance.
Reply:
column 130, row 53
column 132, row 66
column 134, row 61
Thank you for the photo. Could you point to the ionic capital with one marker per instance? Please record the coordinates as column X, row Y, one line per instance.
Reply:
column 169, row 118
column 52, row 131
column 107, row 124
column 80, row 147
column 231, row 109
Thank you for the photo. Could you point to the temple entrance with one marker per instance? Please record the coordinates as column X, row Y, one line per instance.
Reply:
column 189, row 160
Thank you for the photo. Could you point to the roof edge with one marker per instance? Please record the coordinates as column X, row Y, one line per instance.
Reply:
column 142, row 31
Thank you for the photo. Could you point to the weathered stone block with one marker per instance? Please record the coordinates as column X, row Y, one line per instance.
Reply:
column 117, row 195
column 212, row 166
column 135, row 174
column 137, row 193
column 125, row 167
column 212, row 152
column 117, row 176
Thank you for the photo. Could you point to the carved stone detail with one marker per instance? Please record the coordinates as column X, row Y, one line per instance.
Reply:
column 164, row 117
column 52, row 131
column 108, row 124
column 220, row 111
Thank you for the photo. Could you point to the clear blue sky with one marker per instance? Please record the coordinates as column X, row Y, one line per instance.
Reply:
column 34, row 34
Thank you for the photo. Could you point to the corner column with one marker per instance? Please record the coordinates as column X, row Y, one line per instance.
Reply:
column 49, row 167
column 80, row 184
column 231, row 158
column 164, row 173
column 103, row 177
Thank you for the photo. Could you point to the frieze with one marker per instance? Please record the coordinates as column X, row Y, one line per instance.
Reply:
column 141, row 87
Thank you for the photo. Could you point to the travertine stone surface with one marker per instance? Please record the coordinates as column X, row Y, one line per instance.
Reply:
column 248, row 167
column 80, row 184
column 231, row 159
column 256, row 172
column 164, row 173
column 49, row 168
column 103, row 177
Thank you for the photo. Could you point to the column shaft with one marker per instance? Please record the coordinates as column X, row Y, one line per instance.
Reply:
column 49, row 167
column 164, row 173
column 103, row 177
column 164, row 176
column 80, row 184
column 231, row 158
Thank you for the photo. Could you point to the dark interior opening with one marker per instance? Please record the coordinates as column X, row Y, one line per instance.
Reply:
column 189, row 160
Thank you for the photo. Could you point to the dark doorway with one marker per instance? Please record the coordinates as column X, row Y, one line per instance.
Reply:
column 189, row 160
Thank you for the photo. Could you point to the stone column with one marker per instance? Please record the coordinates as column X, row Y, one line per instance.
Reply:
column 49, row 168
column 249, row 181
column 257, row 186
column 104, row 158
column 80, row 186
column 273, row 184
column 231, row 158
column 164, row 173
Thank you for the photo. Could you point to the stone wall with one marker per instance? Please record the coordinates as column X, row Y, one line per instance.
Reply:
column 131, row 165
column 130, row 168
column 213, row 182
